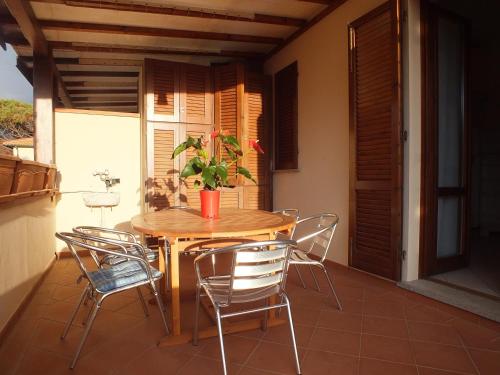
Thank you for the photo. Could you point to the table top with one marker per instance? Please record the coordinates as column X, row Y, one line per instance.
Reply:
column 232, row 222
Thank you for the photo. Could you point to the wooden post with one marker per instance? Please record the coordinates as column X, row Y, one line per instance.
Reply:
column 43, row 108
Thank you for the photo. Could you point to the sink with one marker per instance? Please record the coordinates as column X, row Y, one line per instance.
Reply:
column 101, row 199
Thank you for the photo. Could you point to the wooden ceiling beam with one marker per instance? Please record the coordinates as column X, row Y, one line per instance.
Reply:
column 96, row 84
column 106, row 104
column 153, row 31
column 25, row 70
column 171, row 11
column 333, row 4
column 97, row 99
column 104, row 90
column 24, row 16
column 2, row 41
column 68, row 46
column 85, row 73
column 323, row 2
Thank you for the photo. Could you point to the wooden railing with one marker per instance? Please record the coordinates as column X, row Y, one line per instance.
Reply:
column 24, row 178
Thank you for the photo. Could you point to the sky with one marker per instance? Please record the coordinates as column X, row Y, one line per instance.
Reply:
column 13, row 85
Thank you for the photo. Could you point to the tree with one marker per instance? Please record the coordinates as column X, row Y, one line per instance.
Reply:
column 16, row 119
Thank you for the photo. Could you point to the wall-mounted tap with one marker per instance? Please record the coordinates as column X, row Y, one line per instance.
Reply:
column 104, row 177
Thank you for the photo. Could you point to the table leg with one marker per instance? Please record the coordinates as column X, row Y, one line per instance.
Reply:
column 161, row 265
column 175, row 285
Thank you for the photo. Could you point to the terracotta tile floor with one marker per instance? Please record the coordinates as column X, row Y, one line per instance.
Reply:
column 382, row 330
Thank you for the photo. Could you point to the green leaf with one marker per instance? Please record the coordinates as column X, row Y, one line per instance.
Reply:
column 222, row 172
column 197, row 184
column 231, row 139
column 182, row 147
column 198, row 163
column 245, row 172
column 208, row 177
column 188, row 171
column 231, row 153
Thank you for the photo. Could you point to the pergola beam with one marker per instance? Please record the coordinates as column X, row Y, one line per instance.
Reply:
column 89, row 47
column 86, row 73
column 153, row 31
column 25, row 70
column 171, row 11
column 105, row 104
column 104, row 90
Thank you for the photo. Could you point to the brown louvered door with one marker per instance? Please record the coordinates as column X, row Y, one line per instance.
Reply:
column 256, row 127
column 375, row 142
column 163, row 99
column 163, row 172
column 196, row 98
column 228, row 95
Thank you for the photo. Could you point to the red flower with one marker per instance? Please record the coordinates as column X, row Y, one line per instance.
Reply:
column 255, row 145
column 214, row 134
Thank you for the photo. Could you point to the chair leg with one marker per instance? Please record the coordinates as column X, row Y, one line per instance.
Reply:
column 292, row 332
column 330, row 282
column 221, row 339
column 143, row 303
column 90, row 312
column 300, row 277
column 196, row 316
column 75, row 311
column 86, row 333
column 213, row 264
column 161, row 306
column 263, row 326
column 314, row 278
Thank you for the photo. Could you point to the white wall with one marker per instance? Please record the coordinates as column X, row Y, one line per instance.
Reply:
column 322, row 182
column 87, row 141
column 27, row 246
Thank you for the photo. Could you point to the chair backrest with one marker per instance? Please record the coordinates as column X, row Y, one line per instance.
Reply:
column 254, row 265
column 104, row 233
column 97, row 245
column 321, row 236
column 293, row 212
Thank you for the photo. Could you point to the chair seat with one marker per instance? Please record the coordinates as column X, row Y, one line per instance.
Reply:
column 111, row 260
column 121, row 275
column 299, row 256
column 217, row 289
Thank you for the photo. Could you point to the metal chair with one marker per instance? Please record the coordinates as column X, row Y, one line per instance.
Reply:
column 320, row 239
column 293, row 212
column 104, row 282
column 124, row 237
column 257, row 272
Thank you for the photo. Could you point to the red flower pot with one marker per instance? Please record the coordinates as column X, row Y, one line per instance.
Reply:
column 210, row 203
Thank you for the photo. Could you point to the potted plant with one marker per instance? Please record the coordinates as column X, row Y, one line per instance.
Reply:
column 213, row 171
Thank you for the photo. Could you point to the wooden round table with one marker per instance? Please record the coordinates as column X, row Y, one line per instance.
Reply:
column 185, row 229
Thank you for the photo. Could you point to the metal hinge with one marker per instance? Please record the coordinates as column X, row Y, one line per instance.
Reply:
column 404, row 135
column 403, row 254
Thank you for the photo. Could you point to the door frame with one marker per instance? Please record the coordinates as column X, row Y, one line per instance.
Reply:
column 428, row 262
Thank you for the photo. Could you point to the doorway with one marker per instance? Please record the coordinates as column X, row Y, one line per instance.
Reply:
column 460, row 241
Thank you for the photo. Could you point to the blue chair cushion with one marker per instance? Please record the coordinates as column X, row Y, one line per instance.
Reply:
column 121, row 275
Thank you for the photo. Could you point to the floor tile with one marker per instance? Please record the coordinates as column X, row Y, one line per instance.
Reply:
column 199, row 365
column 476, row 336
column 340, row 321
column 384, row 308
column 385, row 327
column 335, row 341
column 237, row 348
column 487, row 362
column 386, row 348
column 281, row 334
column 438, row 333
column 376, row 367
column 319, row 362
column 273, row 357
column 444, row 357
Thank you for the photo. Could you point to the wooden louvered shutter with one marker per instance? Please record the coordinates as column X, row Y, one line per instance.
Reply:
column 257, row 196
column 376, row 152
column 196, row 94
column 162, row 91
column 228, row 97
column 286, row 121
column 163, row 179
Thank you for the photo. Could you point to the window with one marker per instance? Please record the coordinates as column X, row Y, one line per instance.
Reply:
column 285, row 129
